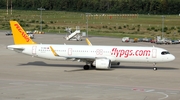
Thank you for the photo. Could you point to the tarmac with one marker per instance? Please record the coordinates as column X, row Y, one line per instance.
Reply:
column 24, row 77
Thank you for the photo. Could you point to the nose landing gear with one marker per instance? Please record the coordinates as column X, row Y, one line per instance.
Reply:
column 155, row 68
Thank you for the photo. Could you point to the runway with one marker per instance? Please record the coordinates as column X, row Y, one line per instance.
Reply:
column 24, row 77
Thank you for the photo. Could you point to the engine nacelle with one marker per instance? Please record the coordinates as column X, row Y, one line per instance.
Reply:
column 102, row 63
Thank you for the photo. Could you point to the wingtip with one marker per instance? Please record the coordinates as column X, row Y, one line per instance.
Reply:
column 88, row 42
column 53, row 51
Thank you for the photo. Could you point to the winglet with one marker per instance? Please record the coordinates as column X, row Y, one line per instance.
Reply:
column 53, row 51
column 19, row 35
column 88, row 42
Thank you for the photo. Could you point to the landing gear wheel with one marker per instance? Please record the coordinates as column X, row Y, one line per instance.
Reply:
column 155, row 68
column 86, row 67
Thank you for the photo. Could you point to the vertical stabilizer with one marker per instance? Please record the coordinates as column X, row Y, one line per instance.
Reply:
column 19, row 35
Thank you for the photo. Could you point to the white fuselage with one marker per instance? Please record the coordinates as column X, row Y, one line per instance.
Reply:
column 114, row 53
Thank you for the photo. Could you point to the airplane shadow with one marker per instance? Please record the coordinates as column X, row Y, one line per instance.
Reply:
column 41, row 63
column 144, row 67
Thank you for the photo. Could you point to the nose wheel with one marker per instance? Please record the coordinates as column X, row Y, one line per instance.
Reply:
column 155, row 68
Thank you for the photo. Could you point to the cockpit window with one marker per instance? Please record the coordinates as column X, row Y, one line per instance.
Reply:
column 165, row 52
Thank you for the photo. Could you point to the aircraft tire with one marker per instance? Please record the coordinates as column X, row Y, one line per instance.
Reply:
column 155, row 68
column 86, row 67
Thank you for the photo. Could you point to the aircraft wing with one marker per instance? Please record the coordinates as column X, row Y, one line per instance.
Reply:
column 76, row 58
column 88, row 42
column 82, row 58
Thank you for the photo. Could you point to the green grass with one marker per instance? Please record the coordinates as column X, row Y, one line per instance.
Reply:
column 57, row 21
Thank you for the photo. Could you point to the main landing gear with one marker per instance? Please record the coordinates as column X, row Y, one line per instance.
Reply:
column 155, row 68
column 87, row 67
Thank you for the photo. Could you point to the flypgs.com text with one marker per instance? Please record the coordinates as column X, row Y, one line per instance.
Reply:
column 126, row 53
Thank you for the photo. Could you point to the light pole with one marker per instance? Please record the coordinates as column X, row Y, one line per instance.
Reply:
column 41, row 17
column 163, row 25
column 87, row 14
column 7, row 6
column 11, row 7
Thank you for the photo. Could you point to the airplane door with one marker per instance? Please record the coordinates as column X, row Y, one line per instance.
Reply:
column 69, row 51
column 154, row 53
column 34, row 50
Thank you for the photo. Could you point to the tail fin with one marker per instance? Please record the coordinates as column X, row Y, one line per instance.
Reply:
column 19, row 35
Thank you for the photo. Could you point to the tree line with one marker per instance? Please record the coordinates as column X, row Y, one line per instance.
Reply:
column 100, row 6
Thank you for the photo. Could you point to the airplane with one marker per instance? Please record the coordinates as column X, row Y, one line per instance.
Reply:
column 95, row 56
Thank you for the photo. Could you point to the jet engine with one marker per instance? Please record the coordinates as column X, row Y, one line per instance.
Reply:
column 102, row 63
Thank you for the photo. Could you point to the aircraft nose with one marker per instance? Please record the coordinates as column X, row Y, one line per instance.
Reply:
column 172, row 57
